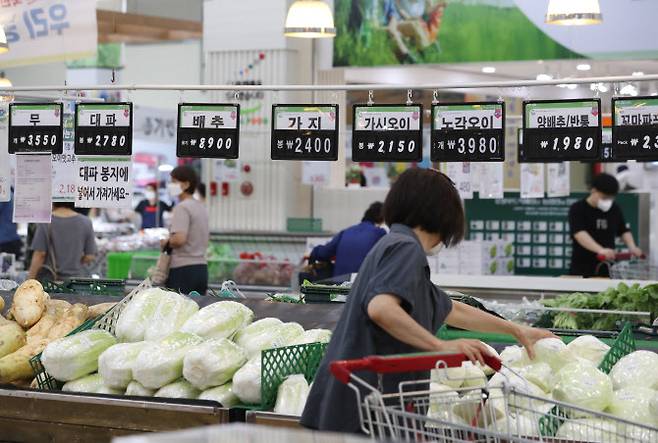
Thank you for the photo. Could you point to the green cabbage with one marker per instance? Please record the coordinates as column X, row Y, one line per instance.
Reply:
column 276, row 337
column 519, row 425
column 451, row 377
column 639, row 368
column 213, row 363
column 247, row 381
column 92, row 384
column 291, row 395
column 581, row 384
column 552, row 351
column 590, row 348
column 74, row 356
column 137, row 314
column 178, row 389
column 313, row 336
column 172, row 312
column 592, row 430
column 540, row 374
column 634, row 404
column 219, row 320
column 514, row 356
column 256, row 329
column 137, row 389
column 221, row 394
column 115, row 364
column 473, row 376
column 519, row 384
column 442, row 400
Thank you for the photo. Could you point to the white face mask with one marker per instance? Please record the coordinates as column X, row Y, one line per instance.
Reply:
column 435, row 250
column 150, row 195
column 174, row 189
column 604, row 204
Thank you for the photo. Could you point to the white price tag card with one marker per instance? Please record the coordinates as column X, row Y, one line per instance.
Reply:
column 635, row 128
column 35, row 127
column 104, row 182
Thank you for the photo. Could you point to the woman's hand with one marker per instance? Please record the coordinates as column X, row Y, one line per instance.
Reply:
column 528, row 336
column 473, row 349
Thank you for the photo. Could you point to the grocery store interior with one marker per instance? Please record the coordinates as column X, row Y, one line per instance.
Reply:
column 328, row 220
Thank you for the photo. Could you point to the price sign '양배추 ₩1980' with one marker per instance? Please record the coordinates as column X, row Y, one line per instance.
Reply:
column 468, row 132
column 208, row 130
column 35, row 127
column 635, row 128
column 103, row 129
column 561, row 130
column 387, row 133
column 305, row 132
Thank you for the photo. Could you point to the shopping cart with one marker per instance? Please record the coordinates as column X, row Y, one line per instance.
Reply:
column 626, row 266
column 504, row 412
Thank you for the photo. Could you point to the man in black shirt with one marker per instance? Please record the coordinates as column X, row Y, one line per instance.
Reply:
column 595, row 223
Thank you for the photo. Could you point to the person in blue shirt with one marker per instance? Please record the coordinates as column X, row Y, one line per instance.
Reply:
column 10, row 241
column 350, row 246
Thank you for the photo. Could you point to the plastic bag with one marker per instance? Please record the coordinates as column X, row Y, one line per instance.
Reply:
column 213, row 363
column 221, row 394
column 639, row 368
column 247, row 381
column 115, row 364
column 178, row 389
column 589, row 348
column 219, row 320
column 582, row 384
column 291, row 395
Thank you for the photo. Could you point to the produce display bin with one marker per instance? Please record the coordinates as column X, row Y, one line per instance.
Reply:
column 141, row 262
column 118, row 264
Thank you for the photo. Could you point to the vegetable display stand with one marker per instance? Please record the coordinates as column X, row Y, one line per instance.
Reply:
column 318, row 293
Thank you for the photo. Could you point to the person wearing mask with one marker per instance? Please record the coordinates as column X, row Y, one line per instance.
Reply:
column 188, row 235
column 394, row 308
column 151, row 209
column 10, row 241
column 595, row 222
column 350, row 246
column 62, row 248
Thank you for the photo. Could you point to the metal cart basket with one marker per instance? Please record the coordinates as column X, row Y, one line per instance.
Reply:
column 627, row 267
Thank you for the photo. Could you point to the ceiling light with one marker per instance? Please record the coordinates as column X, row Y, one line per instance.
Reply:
column 544, row 77
column 561, row 85
column 638, row 74
column 4, row 81
column 572, row 86
column 583, row 67
column 573, row 13
column 629, row 90
column 309, row 19
column 488, row 69
column 601, row 87
column 4, row 47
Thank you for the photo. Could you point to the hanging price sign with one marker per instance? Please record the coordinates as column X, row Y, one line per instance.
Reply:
column 207, row 130
column 469, row 132
column 35, row 127
column 607, row 150
column 561, row 130
column 635, row 128
column 387, row 133
column 305, row 132
column 104, row 129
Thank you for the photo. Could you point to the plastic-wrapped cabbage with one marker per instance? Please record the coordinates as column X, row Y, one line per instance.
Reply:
column 92, row 384
column 74, row 356
column 518, row 384
column 593, row 430
column 653, row 405
column 639, row 368
column 552, row 351
column 514, row 356
column 172, row 312
column 452, row 377
column 442, row 400
column 115, row 364
column 219, row 320
column 313, row 336
column 246, row 382
column 589, row 348
column 486, row 369
column 178, row 389
column 213, row 363
column 634, row 404
column 291, row 395
column 276, row 337
column 473, row 376
column 137, row 314
column 221, row 394
column 474, row 405
column 539, row 374
column 582, row 384
column 255, row 329
column 520, row 425
column 136, row 388
column 161, row 363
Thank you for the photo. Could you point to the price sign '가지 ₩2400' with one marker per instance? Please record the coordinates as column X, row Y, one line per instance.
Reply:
column 208, row 130
column 635, row 128
column 305, row 132
column 35, row 127
column 103, row 129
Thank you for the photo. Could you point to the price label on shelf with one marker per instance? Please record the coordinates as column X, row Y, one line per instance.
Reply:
column 104, row 129
column 471, row 132
column 35, row 127
column 635, row 128
column 305, row 132
column 561, row 130
column 387, row 133
column 208, row 130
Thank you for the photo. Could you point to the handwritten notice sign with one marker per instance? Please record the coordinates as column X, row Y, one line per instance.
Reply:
column 104, row 182
column 35, row 127
column 32, row 202
column 208, row 130
column 103, row 129
column 635, row 128
column 305, row 132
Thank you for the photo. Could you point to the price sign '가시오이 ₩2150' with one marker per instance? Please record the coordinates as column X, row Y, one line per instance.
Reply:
column 208, row 130
column 468, row 132
column 305, row 132
column 635, row 128
column 103, row 129
column 35, row 127
column 387, row 133
column 561, row 130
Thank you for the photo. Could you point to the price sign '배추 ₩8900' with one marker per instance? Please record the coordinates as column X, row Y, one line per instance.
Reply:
column 468, row 132
column 387, row 133
column 35, row 127
column 208, row 130
column 561, row 130
column 305, row 132
column 635, row 128
column 103, row 129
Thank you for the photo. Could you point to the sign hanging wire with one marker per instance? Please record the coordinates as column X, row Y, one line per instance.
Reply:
column 370, row 98
column 409, row 96
column 435, row 97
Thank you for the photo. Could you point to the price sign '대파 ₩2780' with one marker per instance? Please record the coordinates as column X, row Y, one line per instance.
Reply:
column 103, row 129
column 387, row 133
column 561, row 130
column 35, row 127
column 208, row 130
column 468, row 132
column 305, row 132
column 635, row 128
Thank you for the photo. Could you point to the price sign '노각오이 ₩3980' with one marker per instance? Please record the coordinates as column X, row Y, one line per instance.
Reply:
column 387, row 133
column 561, row 130
column 635, row 128
column 468, row 132
column 305, row 132
column 35, row 127
column 208, row 130
column 103, row 129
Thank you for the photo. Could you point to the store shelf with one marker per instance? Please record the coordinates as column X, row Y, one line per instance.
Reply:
column 262, row 418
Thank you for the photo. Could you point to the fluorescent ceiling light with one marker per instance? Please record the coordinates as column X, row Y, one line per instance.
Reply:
column 629, row 90
column 601, row 87
column 488, row 69
column 544, row 77
column 573, row 12
column 309, row 19
column 584, row 67
column 638, row 74
column 572, row 86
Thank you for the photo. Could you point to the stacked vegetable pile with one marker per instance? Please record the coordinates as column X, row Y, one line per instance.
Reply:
column 34, row 321
column 566, row 373
column 622, row 298
column 165, row 346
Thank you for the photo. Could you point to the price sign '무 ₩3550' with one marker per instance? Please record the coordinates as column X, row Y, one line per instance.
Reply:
column 104, row 129
column 635, row 128
column 387, row 133
column 208, row 130
column 35, row 127
column 561, row 130
column 473, row 132
column 305, row 132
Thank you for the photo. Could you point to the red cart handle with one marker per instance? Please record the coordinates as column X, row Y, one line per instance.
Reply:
column 342, row 369
column 620, row 257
